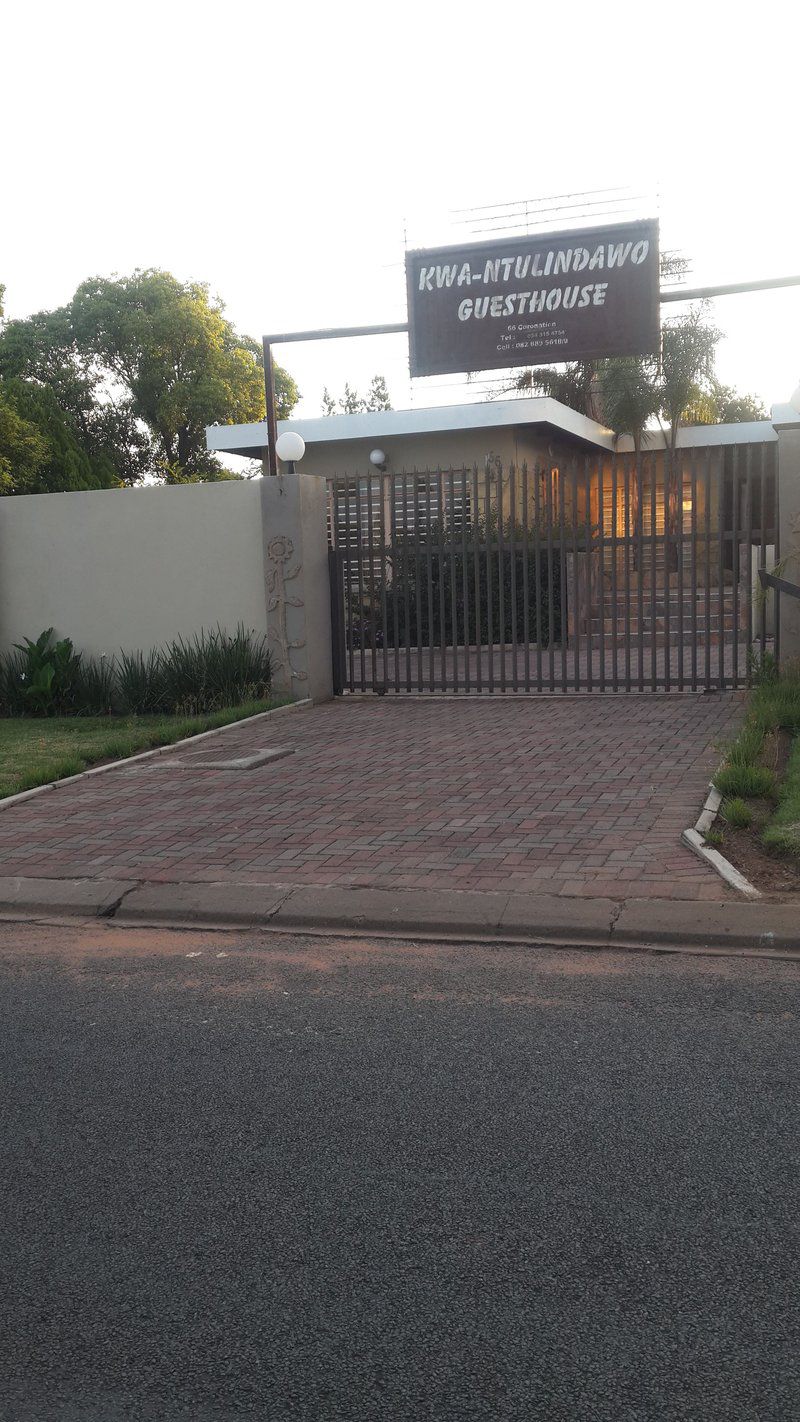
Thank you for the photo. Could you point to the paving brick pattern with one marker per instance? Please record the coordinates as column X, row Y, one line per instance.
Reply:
column 578, row 796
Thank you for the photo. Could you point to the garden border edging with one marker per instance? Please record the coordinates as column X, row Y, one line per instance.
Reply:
column 694, row 839
column 148, row 754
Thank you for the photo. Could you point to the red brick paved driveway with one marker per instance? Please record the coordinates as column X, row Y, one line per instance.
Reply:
column 577, row 795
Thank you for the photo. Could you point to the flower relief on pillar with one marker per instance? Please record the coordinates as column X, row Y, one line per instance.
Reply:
column 279, row 553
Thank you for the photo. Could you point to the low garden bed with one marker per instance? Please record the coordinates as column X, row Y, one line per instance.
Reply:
column 758, row 825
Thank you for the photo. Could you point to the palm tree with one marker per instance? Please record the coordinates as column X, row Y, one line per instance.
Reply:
column 688, row 345
column 630, row 399
column 574, row 384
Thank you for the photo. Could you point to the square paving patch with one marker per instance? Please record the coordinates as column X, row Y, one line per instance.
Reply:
column 576, row 795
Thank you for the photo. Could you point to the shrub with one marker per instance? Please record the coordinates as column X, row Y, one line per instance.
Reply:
column 207, row 673
column 436, row 590
column 41, row 678
column 215, row 669
column 737, row 813
column 95, row 687
column 714, row 837
column 749, row 781
column 762, row 669
column 140, row 683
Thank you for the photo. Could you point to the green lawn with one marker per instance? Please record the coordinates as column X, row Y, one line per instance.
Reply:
column 774, row 706
column 783, row 832
column 36, row 750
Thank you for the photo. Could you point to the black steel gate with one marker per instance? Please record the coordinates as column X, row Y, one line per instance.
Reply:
column 610, row 573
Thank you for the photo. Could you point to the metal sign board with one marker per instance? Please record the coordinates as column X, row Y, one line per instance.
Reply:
column 562, row 296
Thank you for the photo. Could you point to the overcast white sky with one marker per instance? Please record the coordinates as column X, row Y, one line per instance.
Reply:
column 280, row 152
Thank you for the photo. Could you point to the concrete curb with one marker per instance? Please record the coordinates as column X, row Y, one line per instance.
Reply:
column 765, row 928
column 695, row 840
column 157, row 750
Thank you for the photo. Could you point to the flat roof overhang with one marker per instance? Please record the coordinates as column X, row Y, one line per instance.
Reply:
column 250, row 440
column 378, row 425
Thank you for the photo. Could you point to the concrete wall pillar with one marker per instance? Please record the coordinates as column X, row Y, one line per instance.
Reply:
column 786, row 419
column 297, row 583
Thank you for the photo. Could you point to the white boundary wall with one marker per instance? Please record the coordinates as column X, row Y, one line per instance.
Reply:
column 133, row 568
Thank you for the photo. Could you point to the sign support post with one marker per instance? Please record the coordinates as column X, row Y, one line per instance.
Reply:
column 272, row 419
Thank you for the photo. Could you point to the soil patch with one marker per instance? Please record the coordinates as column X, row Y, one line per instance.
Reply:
column 771, row 873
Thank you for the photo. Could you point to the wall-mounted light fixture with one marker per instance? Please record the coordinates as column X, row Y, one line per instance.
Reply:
column 290, row 448
column 378, row 458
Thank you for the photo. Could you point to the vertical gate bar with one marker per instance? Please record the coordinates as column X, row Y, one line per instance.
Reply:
column 721, row 560
column 627, row 563
column 614, row 554
column 453, row 607
column 776, row 484
column 384, row 569
column 562, row 573
column 373, row 627
column 601, row 561
column 573, row 593
column 476, row 559
column 360, row 572
column 512, row 560
column 407, row 582
column 348, row 586
column 501, row 576
column 418, row 580
column 707, row 537
column 672, row 475
column 680, row 577
column 336, row 622
column 653, row 565
column 489, row 598
column 394, row 557
column 537, row 568
column 589, row 554
column 735, row 459
column 639, row 487
column 429, row 564
column 762, row 561
column 551, row 620
column 465, row 579
column 442, row 579
column 693, row 563
column 526, row 611
column 748, row 516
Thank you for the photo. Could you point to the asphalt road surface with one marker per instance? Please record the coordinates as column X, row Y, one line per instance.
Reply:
column 288, row 1178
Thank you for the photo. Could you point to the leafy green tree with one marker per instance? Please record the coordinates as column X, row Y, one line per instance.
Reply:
column 721, row 405
column 62, row 462
column 23, row 450
column 137, row 367
column 41, row 353
column 351, row 403
column 179, row 360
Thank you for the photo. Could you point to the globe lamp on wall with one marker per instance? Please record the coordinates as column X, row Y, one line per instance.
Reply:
column 290, row 447
column 378, row 458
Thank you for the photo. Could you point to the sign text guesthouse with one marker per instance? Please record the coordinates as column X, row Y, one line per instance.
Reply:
column 526, row 300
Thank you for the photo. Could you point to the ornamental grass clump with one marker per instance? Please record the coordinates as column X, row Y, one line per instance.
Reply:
column 215, row 669
column 737, row 813
column 140, row 682
column 752, row 782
